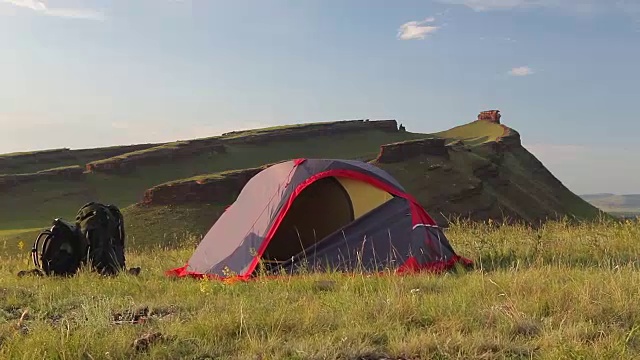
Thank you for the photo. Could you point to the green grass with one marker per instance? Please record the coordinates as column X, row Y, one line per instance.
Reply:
column 474, row 133
column 558, row 292
column 37, row 203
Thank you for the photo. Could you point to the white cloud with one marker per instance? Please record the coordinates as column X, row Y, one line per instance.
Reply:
column 521, row 71
column 416, row 30
column 39, row 6
column 29, row 4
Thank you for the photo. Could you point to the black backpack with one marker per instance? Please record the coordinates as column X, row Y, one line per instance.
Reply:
column 63, row 249
column 97, row 238
column 101, row 227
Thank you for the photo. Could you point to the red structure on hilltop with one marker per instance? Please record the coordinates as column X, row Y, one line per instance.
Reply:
column 490, row 115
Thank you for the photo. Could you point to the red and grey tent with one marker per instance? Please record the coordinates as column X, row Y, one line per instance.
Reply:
column 321, row 214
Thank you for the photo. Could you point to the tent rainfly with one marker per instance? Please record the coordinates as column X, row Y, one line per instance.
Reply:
column 321, row 214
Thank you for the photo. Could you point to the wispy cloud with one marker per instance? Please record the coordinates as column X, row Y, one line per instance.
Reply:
column 417, row 30
column 40, row 7
column 521, row 71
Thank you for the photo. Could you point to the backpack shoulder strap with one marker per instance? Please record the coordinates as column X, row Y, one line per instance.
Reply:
column 120, row 221
column 45, row 237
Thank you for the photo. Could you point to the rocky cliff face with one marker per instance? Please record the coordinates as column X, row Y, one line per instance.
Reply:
column 401, row 151
column 220, row 189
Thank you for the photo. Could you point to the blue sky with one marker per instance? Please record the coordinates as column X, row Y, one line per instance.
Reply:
column 564, row 73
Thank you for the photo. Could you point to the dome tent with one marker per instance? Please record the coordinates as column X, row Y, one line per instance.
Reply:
column 321, row 214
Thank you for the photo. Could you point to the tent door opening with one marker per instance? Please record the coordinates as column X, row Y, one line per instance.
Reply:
column 318, row 211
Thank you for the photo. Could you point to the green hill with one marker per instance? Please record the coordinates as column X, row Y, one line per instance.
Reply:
column 122, row 179
column 477, row 170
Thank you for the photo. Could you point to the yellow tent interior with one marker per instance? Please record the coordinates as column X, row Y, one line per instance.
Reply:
column 321, row 209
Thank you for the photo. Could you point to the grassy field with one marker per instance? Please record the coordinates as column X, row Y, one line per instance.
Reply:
column 561, row 291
